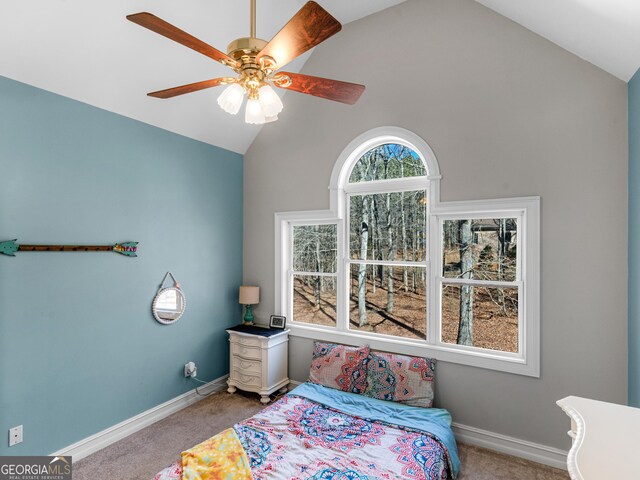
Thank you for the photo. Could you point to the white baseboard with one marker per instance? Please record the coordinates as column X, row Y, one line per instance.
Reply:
column 497, row 442
column 106, row 437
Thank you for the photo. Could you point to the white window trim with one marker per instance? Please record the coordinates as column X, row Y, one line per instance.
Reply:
column 526, row 209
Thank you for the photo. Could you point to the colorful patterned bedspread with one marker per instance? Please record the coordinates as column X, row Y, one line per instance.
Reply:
column 299, row 438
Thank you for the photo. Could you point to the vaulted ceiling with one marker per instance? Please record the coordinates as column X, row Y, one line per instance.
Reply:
column 603, row 32
column 86, row 50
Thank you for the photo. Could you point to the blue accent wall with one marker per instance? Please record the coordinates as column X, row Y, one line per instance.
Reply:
column 634, row 240
column 79, row 348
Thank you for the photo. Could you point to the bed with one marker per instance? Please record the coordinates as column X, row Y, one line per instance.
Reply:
column 320, row 433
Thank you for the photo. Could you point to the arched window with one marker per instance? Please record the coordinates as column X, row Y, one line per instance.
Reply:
column 386, row 262
column 390, row 265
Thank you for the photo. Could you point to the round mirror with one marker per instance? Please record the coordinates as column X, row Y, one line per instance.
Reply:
column 168, row 305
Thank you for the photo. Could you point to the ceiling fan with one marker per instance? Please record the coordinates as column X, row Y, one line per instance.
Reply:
column 256, row 63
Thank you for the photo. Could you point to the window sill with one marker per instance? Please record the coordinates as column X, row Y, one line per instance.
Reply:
column 509, row 363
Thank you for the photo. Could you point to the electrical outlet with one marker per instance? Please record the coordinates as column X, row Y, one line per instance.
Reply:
column 15, row 435
column 190, row 369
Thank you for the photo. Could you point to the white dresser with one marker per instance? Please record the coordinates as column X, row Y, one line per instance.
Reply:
column 258, row 360
column 605, row 436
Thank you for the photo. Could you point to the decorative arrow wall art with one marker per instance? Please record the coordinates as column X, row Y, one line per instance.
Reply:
column 10, row 247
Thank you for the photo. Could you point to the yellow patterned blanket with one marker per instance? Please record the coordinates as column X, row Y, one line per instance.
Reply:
column 219, row 458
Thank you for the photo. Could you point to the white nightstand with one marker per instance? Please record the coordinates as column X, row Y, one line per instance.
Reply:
column 258, row 360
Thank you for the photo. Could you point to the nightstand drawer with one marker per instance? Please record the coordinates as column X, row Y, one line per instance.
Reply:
column 245, row 380
column 246, row 352
column 246, row 366
column 247, row 341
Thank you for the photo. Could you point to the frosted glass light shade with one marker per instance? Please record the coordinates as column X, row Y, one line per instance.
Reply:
column 249, row 295
column 254, row 113
column 230, row 100
column 270, row 101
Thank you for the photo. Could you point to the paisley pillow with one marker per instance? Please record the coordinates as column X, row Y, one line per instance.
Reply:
column 400, row 378
column 339, row 366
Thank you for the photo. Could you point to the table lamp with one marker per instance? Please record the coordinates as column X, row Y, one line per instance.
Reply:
column 249, row 296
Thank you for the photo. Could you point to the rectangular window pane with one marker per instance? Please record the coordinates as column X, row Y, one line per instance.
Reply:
column 391, row 305
column 482, row 249
column 388, row 226
column 315, row 248
column 314, row 299
column 490, row 317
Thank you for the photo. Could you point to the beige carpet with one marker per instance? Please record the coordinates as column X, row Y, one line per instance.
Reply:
column 143, row 454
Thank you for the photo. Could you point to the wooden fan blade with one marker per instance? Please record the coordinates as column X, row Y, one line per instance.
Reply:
column 192, row 87
column 155, row 24
column 335, row 90
column 306, row 29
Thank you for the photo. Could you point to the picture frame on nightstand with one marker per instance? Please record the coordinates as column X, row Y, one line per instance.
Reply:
column 278, row 322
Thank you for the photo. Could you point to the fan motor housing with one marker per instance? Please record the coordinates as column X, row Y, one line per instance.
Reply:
column 244, row 46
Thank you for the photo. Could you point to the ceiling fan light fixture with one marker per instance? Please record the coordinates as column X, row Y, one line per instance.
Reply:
column 270, row 101
column 230, row 100
column 256, row 63
column 254, row 113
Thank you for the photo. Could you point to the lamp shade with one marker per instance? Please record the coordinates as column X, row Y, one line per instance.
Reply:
column 254, row 113
column 270, row 101
column 231, row 98
column 249, row 295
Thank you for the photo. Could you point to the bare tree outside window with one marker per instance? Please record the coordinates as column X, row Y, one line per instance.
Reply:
column 473, row 313
column 386, row 162
column 387, row 247
column 314, row 274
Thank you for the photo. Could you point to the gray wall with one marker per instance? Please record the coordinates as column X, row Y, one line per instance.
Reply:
column 507, row 114
column 634, row 238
